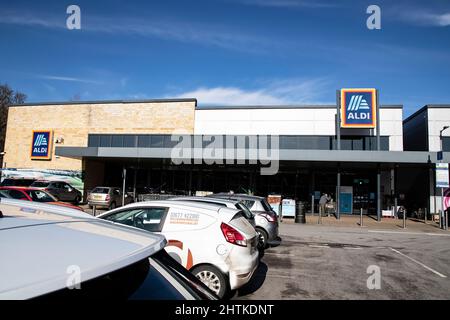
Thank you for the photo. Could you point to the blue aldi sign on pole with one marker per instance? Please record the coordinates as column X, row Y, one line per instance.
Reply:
column 358, row 108
column 41, row 145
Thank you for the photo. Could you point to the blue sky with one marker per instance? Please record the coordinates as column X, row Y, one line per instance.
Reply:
column 227, row 51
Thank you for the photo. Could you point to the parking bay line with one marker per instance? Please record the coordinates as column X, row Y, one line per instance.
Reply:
column 410, row 233
column 420, row 263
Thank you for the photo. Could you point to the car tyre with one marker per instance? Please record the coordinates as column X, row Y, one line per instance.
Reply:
column 77, row 199
column 263, row 237
column 213, row 278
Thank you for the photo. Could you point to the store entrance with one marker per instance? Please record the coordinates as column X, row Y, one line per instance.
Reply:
column 363, row 191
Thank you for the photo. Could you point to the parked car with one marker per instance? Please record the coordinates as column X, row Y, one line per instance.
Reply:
column 107, row 197
column 124, row 263
column 229, row 203
column 35, row 195
column 59, row 189
column 17, row 182
column 266, row 220
column 217, row 244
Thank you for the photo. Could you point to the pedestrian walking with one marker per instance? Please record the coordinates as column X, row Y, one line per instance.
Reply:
column 322, row 203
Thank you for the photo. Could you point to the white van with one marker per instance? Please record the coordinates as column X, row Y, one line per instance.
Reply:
column 217, row 244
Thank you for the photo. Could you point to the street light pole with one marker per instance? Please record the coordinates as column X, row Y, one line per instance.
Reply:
column 1, row 168
column 443, row 224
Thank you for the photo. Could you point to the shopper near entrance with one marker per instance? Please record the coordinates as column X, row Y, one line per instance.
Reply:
column 322, row 203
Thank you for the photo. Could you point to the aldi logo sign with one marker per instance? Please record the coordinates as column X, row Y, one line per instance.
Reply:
column 358, row 108
column 41, row 145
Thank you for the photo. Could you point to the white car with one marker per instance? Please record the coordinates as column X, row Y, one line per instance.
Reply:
column 217, row 244
column 51, row 252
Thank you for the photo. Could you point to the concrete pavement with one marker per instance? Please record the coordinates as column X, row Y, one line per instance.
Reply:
column 332, row 262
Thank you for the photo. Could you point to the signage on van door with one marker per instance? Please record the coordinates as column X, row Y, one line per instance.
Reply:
column 41, row 145
column 358, row 108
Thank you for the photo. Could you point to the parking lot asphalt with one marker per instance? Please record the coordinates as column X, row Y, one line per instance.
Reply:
column 331, row 262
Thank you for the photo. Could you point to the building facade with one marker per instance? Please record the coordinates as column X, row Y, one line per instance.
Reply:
column 96, row 141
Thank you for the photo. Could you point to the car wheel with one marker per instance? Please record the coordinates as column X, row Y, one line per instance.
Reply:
column 77, row 199
column 213, row 279
column 262, row 235
column 112, row 206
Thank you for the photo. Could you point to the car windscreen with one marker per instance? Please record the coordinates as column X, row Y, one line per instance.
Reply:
column 266, row 205
column 100, row 190
column 159, row 277
column 245, row 211
column 248, row 203
column 40, row 196
column 40, row 184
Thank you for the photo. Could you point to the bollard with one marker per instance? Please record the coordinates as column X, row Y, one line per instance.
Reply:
column 94, row 209
column 280, row 212
column 395, row 208
column 425, row 215
column 361, row 218
column 312, row 205
column 404, row 219
column 446, row 219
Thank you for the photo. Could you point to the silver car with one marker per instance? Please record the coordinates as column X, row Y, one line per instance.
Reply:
column 266, row 220
column 80, row 256
column 107, row 197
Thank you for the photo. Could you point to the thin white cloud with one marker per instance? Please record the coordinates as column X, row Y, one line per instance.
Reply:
column 276, row 92
column 422, row 16
column 439, row 20
column 289, row 3
column 162, row 28
column 70, row 79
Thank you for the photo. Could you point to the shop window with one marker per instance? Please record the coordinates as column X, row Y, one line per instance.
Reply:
column 129, row 141
column 105, row 141
column 116, row 141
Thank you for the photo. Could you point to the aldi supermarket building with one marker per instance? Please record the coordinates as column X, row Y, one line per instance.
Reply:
column 322, row 149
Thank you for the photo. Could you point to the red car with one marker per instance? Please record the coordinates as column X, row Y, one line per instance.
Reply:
column 34, row 194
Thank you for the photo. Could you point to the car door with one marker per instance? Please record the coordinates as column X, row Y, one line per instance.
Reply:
column 68, row 192
column 190, row 237
column 54, row 189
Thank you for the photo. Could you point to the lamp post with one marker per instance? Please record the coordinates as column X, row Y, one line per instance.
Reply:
column 444, row 224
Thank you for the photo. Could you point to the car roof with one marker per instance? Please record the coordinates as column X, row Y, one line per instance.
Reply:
column 59, row 240
column 207, row 200
column 224, row 212
column 19, row 188
column 238, row 196
column 192, row 204
column 106, row 187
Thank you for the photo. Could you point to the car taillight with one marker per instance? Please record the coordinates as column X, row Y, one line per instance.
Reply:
column 107, row 197
column 269, row 217
column 232, row 235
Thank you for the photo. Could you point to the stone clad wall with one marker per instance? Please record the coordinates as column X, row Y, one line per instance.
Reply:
column 73, row 122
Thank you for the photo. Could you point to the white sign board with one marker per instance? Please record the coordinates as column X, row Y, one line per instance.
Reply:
column 442, row 175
